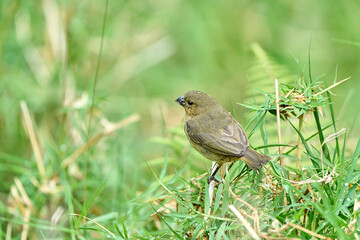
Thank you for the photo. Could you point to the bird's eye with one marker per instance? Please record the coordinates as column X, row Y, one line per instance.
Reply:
column 190, row 103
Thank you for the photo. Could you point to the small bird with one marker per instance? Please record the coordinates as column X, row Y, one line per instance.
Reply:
column 215, row 133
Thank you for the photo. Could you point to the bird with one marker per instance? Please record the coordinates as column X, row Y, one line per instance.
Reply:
column 216, row 134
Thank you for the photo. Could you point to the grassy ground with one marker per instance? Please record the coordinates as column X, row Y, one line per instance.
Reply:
column 91, row 141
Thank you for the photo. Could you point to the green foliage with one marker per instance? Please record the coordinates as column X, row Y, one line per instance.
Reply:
column 82, row 68
column 322, row 198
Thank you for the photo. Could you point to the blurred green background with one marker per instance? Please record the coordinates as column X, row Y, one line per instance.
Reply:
column 153, row 52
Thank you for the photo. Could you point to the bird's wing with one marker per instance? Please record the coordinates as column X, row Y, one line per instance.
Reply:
column 229, row 139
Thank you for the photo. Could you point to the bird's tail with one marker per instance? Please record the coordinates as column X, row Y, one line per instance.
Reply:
column 254, row 159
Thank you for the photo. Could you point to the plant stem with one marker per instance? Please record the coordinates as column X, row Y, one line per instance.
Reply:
column 301, row 120
column 278, row 119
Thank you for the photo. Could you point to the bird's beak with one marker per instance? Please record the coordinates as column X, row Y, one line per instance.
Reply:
column 180, row 101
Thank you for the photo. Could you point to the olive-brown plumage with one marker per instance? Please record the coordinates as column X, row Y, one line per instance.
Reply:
column 215, row 133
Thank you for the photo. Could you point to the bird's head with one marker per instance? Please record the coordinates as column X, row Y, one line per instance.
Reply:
column 196, row 102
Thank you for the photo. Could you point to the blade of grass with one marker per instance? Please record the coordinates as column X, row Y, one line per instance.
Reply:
column 326, row 209
column 88, row 133
column 257, row 125
column 119, row 231
column 163, row 170
column 258, row 113
column 344, row 185
column 332, row 114
column 218, row 197
column 307, row 139
column 221, row 232
column 232, row 108
column 316, row 113
column 226, row 195
column 307, row 148
column 91, row 220
column 89, row 202
column 181, row 201
column 177, row 236
column 321, row 134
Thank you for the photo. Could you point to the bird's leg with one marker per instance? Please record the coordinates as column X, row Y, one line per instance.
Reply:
column 212, row 182
column 214, row 169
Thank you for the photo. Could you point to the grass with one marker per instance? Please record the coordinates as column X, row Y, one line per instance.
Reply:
column 293, row 201
column 319, row 201
column 92, row 145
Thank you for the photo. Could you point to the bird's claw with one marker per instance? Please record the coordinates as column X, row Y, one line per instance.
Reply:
column 212, row 178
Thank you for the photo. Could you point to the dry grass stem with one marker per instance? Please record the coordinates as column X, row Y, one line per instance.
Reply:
column 328, row 139
column 326, row 179
column 242, row 201
column 23, row 202
column 255, row 215
column 101, row 226
column 334, row 135
column 107, row 131
column 307, row 231
column 8, row 231
column 279, row 238
column 244, row 222
column 334, row 85
column 33, row 139
column 193, row 180
column 25, row 198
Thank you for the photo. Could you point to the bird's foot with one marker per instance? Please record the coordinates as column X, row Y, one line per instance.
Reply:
column 212, row 178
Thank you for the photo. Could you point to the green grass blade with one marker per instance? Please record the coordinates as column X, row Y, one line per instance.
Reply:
column 316, row 111
column 226, row 196
column 321, row 134
column 258, row 113
column 163, row 170
column 343, row 190
column 125, row 230
column 307, row 148
column 221, row 232
column 177, row 236
column 232, row 108
column 258, row 124
column 219, row 193
column 332, row 114
column 309, row 138
column 116, row 226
